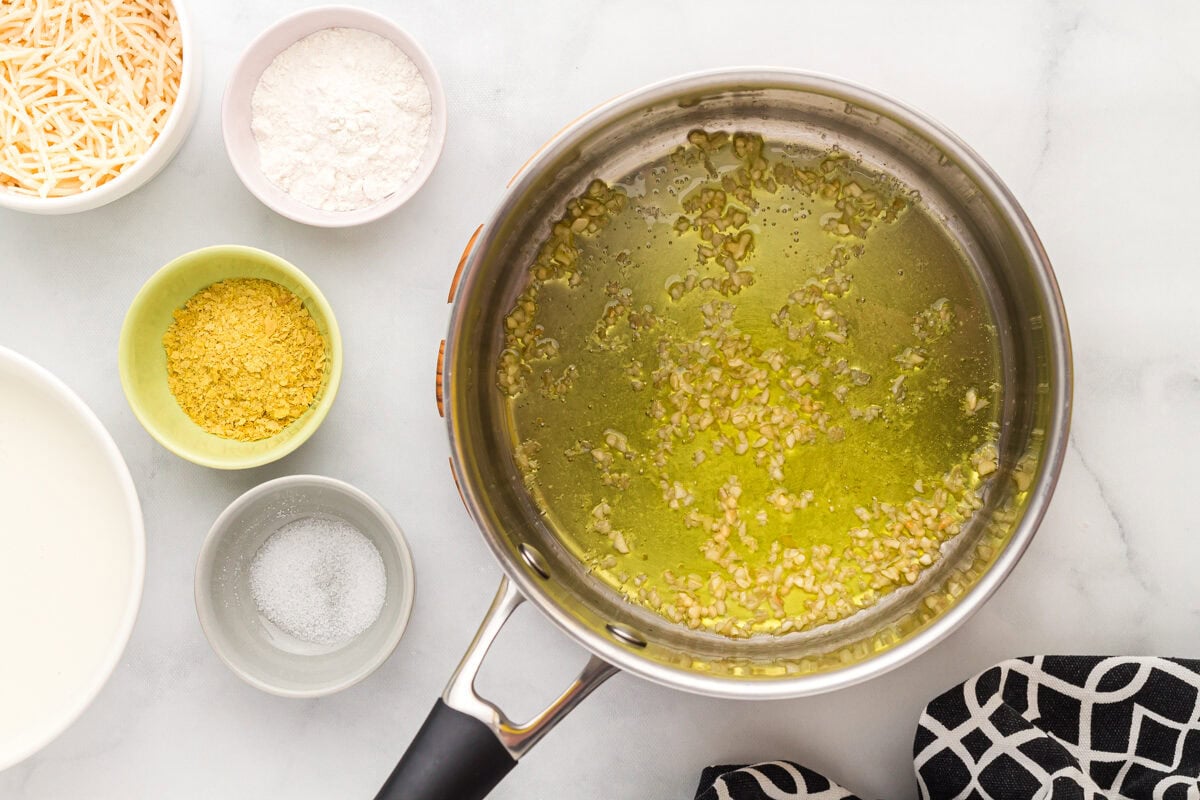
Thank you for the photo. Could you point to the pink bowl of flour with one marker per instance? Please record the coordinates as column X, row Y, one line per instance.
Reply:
column 334, row 117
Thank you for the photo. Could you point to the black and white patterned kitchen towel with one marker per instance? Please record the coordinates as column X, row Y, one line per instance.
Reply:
column 1055, row 727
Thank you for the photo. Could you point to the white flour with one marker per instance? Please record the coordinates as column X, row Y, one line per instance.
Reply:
column 341, row 118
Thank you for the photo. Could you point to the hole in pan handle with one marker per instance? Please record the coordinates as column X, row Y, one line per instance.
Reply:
column 467, row 744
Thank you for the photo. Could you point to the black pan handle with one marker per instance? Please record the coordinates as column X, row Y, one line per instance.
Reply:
column 467, row 745
column 454, row 757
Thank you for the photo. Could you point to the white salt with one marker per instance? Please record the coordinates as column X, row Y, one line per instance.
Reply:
column 319, row 580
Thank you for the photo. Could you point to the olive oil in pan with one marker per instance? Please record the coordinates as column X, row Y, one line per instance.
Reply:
column 754, row 387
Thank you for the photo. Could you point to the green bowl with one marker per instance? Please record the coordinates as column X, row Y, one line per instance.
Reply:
column 143, row 361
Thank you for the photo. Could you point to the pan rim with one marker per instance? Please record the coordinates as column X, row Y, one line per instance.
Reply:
column 1056, row 432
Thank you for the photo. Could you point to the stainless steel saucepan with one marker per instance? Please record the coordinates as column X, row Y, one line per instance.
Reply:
column 468, row 744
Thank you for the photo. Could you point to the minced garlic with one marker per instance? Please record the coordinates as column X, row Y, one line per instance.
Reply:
column 244, row 358
column 746, row 418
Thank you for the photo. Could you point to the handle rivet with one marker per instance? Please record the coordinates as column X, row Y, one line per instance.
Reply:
column 535, row 559
column 625, row 635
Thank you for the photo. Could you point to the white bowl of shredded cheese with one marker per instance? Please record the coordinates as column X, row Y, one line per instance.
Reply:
column 334, row 117
column 108, row 93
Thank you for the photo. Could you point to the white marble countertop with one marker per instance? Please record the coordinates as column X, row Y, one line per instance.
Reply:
column 1071, row 102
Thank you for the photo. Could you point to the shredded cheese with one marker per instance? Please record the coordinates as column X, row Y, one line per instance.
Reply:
column 86, row 86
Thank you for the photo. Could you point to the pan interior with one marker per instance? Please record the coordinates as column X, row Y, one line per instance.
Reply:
column 616, row 146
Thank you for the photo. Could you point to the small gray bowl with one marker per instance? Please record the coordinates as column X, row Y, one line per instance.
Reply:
column 256, row 650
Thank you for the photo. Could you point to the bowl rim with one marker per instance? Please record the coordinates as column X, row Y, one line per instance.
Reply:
column 206, row 562
column 147, row 166
column 125, row 359
column 1056, row 434
column 138, row 567
column 245, row 160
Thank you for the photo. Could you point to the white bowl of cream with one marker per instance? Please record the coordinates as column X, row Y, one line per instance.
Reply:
column 72, row 557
